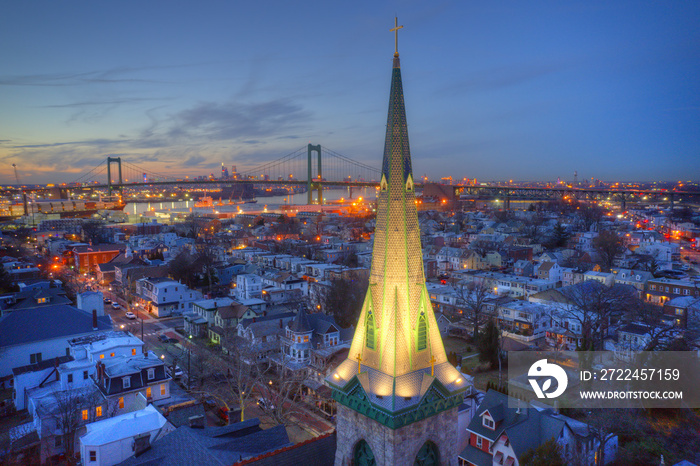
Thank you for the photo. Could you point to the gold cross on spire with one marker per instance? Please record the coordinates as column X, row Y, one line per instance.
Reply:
column 395, row 30
column 432, row 366
column 359, row 363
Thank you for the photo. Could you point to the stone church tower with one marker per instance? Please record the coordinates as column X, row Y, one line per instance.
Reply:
column 397, row 394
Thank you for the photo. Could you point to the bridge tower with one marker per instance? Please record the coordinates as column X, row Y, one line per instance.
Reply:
column 310, row 185
column 118, row 161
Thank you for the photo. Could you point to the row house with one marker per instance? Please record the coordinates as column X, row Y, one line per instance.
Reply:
column 683, row 310
column 565, row 331
column 319, row 271
column 294, row 264
column 248, row 286
column 164, row 297
column 661, row 290
column 515, row 286
column 572, row 276
column 605, row 278
column 531, row 320
column 635, row 278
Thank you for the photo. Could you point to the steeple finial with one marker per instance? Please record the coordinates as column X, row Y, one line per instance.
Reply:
column 395, row 30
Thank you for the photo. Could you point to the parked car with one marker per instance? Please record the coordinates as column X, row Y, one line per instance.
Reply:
column 265, row 404
column 163, row 338
column 115, row 305
column 107, row 300
column 130, row 315
column 176, row 373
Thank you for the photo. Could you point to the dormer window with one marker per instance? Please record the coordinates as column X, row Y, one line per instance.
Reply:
column 126, row 382
column 487, row 421
column 151, row 373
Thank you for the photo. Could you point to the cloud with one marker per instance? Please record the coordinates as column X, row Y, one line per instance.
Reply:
column 234, row 120
column 503, row 76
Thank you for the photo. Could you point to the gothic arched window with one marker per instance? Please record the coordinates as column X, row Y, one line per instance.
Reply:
column 363, row 455
column 369, row 330
column 428, row 455
column 422, row 333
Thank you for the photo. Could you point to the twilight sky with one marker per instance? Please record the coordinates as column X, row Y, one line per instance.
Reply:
column 495, row 90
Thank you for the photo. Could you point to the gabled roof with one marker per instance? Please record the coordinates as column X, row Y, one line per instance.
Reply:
column 46, row 323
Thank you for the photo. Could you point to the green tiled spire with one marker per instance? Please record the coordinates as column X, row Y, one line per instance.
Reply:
column 397, row 354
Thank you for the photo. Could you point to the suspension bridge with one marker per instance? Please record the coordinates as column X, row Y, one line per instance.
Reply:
column 313, row 167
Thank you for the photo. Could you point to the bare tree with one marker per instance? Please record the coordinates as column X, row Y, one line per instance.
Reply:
column 281, row 394
column 67, row 413
column 472, row 297
column 244, row 370
column 602, row 424
column 595, row 306
column 608, row 244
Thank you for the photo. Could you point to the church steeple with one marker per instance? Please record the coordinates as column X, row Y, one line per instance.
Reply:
column 397, row 355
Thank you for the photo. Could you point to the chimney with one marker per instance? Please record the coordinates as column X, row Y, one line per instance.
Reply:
column 94, row 319
column 197, row 422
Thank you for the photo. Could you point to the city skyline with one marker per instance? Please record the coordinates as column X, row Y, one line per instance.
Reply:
column 495, row 92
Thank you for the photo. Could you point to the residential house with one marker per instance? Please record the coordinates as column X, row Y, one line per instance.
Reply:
column 661, row 290
column 683, row 310
column 32, row 335
column 523, row 268
column 113, row 440
column 636, row 278
column 164, row 297
column 227, row 445
column 549, row 271
column 605, row 278
column 501, row 433
column 122, row 378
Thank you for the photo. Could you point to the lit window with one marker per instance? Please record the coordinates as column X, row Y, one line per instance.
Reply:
column 85, row 415
column 162, row 389
column 148, row 392
column 111, row 355
column 133, row 351
column 121, row 402
column 98, row 411
column 306, row 338
column 102, row 356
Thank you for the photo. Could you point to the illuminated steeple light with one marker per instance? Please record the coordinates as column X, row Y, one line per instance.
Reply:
column 397, row 372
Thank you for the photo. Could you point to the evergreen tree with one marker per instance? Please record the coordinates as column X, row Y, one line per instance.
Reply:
column 489, row 344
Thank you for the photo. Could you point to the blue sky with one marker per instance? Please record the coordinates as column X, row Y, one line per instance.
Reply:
column 494, row 90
